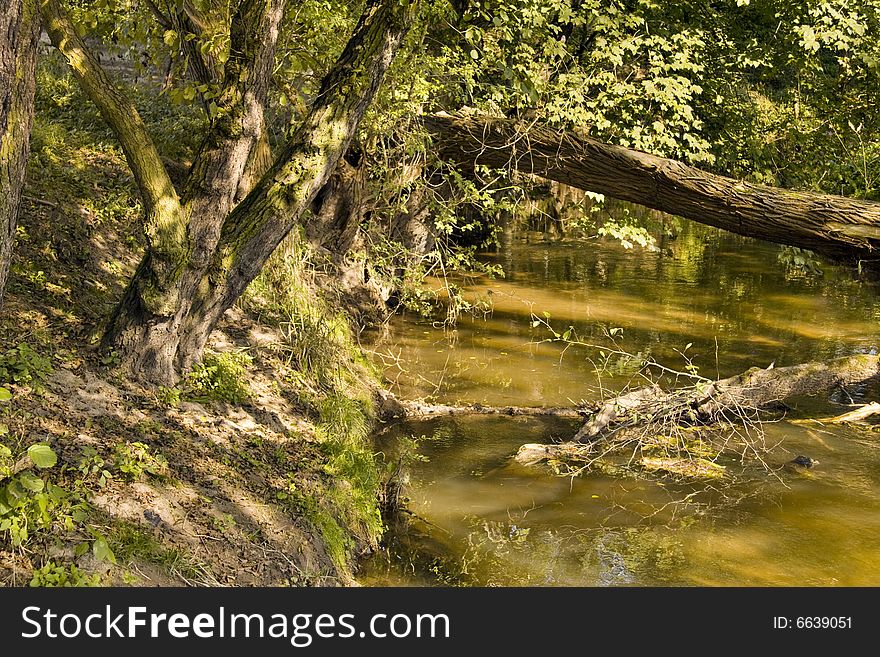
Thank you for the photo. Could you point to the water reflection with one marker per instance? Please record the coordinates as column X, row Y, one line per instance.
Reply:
column 483, row 520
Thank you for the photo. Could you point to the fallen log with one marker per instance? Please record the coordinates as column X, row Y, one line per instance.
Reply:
column 392, row 408
column 706, row 403
column 858, row 415
column 842, row 228
column 734, row 399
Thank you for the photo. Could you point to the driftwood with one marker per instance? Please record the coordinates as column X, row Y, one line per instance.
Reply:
column 860, row 414
column 842, row 228
column 733, row 398
column 391, row 408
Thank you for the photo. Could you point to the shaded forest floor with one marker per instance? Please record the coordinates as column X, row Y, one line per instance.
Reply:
column 255, row 470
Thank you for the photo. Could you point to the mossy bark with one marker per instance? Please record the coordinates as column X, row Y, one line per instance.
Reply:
column 236, row 206
column 145, row 328
column 282, row 197
column 20, row 29
column 842, row 228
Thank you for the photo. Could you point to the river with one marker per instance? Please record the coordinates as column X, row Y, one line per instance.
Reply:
column 715, row 301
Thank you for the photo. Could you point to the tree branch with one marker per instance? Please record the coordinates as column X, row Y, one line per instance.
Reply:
column 161, row 18
column 118, row 111
column 259, row 223
column 843, row 228
column 224, row 156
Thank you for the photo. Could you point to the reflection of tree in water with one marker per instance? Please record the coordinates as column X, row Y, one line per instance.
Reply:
column 640, row 542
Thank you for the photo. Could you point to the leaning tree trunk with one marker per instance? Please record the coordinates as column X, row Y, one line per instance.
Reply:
column 19, row 31
column 841, row 228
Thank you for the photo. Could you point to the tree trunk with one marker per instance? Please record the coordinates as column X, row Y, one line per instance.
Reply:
column 841, row 228
column 19, row 31
column 160, row 328
column 733, row 399
column 146, row 327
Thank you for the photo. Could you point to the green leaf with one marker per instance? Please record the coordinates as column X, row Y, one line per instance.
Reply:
column 42, row 456
column 31, row 482
column 81, row 549
column 102, row 550
column 5, row 395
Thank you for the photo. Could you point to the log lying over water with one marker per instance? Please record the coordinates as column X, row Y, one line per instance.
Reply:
column 842, row 228
column 391, row 408
column 730, row 399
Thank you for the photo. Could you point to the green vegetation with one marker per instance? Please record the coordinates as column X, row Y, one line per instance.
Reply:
column 23, row 365
column 334, row 380
column 54, row 575
column 220, row 199
column 219, row 378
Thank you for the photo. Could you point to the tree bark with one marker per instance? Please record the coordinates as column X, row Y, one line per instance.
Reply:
column 281, row 199
column 163, row 322
column 19, row 31
column 733, row 399
column 838, row 227
column 145, row 328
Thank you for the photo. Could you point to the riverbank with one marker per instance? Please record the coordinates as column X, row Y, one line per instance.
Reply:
column 256, row 469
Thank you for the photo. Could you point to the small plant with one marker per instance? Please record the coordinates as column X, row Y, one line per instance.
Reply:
column 168, row 396
column 29, row 502
column 21, row 364
column 56, row 575
column 225, row 523
column 93, row 465
column 220, row 377
column 134, row 459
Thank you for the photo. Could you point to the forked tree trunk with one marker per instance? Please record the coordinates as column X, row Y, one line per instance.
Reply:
column 19, row 31
column 146, row 327
column 205, row 247
column 841, row 228
column 257, row 225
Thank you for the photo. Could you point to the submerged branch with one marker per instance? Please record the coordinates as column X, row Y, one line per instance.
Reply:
column 392, row 408
column 734, row 400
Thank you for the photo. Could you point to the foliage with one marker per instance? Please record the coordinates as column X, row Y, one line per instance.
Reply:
column 56, row 575
column 332, row 376
column 23, row 365
column 220, row 377
column 135, row 459
column 30, row 503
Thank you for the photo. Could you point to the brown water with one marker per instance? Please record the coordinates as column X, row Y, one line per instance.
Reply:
column 728, row 303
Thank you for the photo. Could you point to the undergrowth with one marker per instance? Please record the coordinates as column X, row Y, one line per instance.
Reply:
column 333, row 379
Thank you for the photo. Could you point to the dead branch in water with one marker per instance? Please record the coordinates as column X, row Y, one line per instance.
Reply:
column 392, row 408
column 651, row 413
